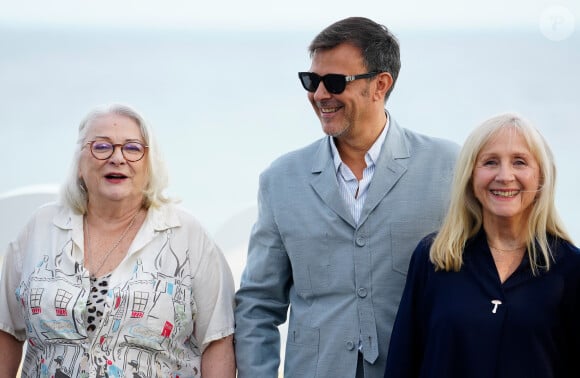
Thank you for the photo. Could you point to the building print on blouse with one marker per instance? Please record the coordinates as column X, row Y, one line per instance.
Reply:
column 158, row 296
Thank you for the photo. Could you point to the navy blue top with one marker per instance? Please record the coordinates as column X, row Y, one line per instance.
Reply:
column 446, row 325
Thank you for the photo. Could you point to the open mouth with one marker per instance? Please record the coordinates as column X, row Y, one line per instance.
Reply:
column 505, row 193
column 115, row 176
column 330, row 110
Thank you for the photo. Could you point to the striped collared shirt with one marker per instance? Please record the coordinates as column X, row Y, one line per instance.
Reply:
column 352, row 191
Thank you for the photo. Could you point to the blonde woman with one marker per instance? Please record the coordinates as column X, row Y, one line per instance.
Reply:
column 495, row 292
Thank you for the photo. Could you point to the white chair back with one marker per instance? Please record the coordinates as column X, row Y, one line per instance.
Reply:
column 16, row 207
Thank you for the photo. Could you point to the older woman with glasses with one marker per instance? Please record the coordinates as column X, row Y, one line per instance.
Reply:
column 115, row 280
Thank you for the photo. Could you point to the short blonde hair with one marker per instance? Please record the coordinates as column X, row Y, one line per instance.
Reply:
column 73, row 191
column 465, row 218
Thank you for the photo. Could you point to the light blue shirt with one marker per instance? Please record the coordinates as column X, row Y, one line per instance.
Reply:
column 352, row 191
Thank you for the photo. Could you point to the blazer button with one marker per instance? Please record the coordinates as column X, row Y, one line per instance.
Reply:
column 362, row 292
column 349, row 345
column 360, row 241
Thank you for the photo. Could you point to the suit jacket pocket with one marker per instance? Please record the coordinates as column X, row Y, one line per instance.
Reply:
column 301, row 351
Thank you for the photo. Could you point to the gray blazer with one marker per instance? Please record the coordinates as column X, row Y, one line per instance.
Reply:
column 341, row 282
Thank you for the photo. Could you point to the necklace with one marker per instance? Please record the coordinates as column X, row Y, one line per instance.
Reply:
column 507, row 250
column 115, row 245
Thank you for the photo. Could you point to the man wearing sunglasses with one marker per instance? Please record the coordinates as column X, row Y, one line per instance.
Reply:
column 339, row 219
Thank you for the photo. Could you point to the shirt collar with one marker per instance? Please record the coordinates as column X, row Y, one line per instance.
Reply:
column 158, row 219
column 372, row 154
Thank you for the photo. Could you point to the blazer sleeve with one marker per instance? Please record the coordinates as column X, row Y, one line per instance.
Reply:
column 263, row 298
column 406, row 345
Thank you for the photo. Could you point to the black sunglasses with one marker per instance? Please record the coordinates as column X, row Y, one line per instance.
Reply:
column 334, row 83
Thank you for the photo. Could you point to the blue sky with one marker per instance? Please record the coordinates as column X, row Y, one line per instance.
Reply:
column 287, row 15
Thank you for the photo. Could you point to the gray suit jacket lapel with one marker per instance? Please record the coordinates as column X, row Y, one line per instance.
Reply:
column 325, row 184
column 391, row 166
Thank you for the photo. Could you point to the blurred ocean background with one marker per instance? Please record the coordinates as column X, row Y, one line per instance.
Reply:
column 225, row 104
